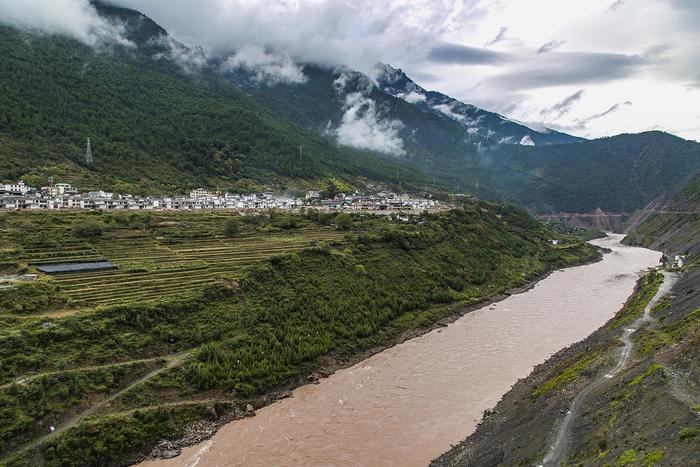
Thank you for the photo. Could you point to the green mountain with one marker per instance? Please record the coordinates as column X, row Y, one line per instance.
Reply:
column 152, row 123
column 617, row 174
column 163, row 117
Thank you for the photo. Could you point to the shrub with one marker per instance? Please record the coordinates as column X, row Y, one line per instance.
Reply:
column 687, row 433
column 343, row 221
column 233, row 226
column 626, row 458
column 653, row 457
column 87, row 229
column 31, row 297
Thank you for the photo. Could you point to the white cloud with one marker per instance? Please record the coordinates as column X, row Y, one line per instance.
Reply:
column 607, row 52
column 356, row 33
column 362, row 126
column 76, row 18
column 412, row 97
column 190, row 59
column 267, row 67
column 447, row 109
column 526, row 141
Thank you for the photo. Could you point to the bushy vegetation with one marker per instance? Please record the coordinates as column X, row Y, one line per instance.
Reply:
column 31, row 407
column 270, row 323
column 109, row 440
column 688, row 433
column 31, row 297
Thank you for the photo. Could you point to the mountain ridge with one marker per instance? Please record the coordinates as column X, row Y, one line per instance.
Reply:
column 163, row 117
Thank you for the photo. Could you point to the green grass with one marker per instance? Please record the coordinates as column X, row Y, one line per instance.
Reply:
column 634, row 308
column 569, row 371
column 637, row 380
column 668, row 334
column 653, row 457
column 688, row 433
column 626, row 458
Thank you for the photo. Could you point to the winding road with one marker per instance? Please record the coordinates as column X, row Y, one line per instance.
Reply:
column 559, row 449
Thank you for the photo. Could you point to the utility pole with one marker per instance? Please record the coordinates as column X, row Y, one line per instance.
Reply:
column 88, row 153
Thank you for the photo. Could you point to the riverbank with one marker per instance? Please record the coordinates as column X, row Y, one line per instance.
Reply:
column 425, row 374
column 439, row 317
column 258, row 330
column 613, row 423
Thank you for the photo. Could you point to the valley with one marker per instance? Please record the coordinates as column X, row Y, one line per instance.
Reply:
column 409, row 403
column 347, row 233
column 143, row 356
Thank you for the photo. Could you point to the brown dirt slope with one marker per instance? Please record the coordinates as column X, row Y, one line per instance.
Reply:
column 649, row 414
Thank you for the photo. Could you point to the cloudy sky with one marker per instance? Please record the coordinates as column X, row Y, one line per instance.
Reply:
column 592, row 68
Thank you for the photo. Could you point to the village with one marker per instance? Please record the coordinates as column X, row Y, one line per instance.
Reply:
column 20, row 196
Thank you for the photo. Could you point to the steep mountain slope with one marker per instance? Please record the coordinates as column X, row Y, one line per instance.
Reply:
column 348, row 107
column 481, row 124
column 671, row 223
column 153, row 121
column 164, row 117
column 479, row 151
column 438, row 134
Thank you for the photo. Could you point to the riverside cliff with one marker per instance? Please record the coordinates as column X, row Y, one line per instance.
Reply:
column 649, row 413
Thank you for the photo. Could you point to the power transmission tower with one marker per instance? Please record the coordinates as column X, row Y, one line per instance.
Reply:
column 88, row 153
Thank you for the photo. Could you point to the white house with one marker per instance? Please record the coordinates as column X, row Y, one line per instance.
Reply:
column 19, row 188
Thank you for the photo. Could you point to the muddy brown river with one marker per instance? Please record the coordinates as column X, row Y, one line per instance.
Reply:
column 410, row 403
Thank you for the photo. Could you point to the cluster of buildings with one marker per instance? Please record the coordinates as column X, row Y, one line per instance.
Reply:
column 382, row 201
column 64, row 196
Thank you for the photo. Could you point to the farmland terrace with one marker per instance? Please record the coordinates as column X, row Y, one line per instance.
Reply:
column 158, row 256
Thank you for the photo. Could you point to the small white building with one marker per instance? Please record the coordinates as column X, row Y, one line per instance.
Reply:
column 201, row 193
column 20, row 188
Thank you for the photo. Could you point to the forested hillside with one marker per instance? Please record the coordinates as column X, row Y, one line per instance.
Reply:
column 163, row 118
column 618, row 174
column 152, row 123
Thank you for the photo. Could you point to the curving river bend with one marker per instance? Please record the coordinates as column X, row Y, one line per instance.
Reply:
column 410, row 403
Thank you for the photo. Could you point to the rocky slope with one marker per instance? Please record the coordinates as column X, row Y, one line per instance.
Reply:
column 647, row 415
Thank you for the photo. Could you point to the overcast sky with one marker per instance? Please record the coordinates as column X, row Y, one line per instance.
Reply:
column 591, row 68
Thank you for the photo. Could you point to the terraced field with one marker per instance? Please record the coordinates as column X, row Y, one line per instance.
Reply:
column 153, row 269
column 175, row 254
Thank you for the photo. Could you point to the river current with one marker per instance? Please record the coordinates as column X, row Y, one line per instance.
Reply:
column 410, row 403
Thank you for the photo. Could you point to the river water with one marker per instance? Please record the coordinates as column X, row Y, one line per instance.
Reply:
column 410, row 403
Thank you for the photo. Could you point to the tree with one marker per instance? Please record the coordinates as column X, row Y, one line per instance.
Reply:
column 343, row 221
column 87, row 230
column 233, row 226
